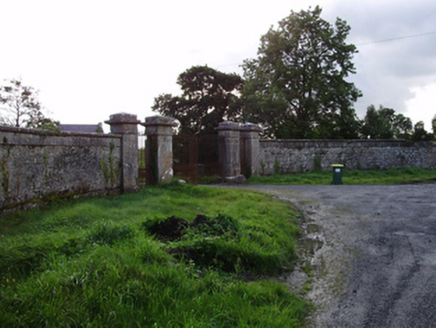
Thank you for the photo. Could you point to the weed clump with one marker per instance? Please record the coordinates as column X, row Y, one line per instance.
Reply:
column 217, row 226
column 106, row 233
column 215, row 243
column 21, row 261
column 173, row 228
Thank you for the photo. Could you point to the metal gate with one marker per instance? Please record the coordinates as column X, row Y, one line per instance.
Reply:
column 208, row 156
column 141, row 159
column 151, row 160
column 195, row 158
column 185, row 156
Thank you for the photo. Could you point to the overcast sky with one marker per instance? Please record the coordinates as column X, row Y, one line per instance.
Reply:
column 93, row 58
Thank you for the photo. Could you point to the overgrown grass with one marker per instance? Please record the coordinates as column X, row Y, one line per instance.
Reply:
column 96, row 262
column 353, row 177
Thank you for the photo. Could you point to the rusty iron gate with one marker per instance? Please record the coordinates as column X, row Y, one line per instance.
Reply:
column 141, row 159
column 195, row 158
column 151, row 173
column 208, row 156
column 185, row 156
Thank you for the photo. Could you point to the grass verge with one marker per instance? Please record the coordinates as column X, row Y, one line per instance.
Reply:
column 104, row 262
column 353, row 177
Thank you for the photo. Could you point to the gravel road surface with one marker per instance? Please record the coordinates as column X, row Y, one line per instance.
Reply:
column 372, row 253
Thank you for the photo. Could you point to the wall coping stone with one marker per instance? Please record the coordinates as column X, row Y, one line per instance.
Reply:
column 49, row 133
column 310, row 143
column 338, row 140
column 341, row 142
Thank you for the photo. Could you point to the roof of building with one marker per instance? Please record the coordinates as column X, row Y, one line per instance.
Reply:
column 84, row 128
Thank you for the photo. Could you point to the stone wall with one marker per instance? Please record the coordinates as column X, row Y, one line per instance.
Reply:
column 286, row 156
column 37, row 166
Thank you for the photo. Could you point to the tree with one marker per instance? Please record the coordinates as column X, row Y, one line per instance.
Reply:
column 209, row 97
column 20, row 107
column 378, row 123
column 383, row 123
column 433, row 126
column 403, row 127
column 296, row 86
column 420, row 133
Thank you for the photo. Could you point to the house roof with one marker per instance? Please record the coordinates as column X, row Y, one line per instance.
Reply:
column 84, row 128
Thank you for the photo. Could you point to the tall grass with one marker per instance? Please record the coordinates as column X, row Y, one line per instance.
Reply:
column 352, row 177
column 95, row 262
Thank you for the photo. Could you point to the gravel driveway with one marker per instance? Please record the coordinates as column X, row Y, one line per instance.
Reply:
column 372, row 251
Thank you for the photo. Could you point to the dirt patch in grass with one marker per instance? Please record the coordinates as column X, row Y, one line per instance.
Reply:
column 169, row 229
column 201, row 242
column 173, row 228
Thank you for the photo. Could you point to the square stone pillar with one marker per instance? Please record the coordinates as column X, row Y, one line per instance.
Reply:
column 159, row 149
column 250, row 138
column 127, row 125
column 229, row 149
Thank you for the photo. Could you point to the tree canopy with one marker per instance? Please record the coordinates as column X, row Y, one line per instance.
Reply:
column 420, row 133
column 433, row 126
column 296, row 87
column 209, row 97
column 383, row 123
column 20, row 107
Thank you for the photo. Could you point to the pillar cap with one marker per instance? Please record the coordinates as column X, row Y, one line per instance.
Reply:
column 123, row 123
column 227, row 125
column 122, row 118
column 159, row 120
column 251, row 127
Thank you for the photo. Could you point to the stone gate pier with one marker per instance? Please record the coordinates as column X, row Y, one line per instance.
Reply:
column 126, row 125
column 159, row 148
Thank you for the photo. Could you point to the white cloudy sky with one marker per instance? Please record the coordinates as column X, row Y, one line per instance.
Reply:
column 94, row 58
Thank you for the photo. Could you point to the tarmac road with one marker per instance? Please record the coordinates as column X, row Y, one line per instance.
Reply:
column 372, row 250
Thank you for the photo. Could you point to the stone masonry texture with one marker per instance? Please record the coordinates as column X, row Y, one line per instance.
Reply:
column 288, row 156
column 38, row 165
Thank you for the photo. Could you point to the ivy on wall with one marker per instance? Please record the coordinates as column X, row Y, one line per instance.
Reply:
column 108, row 168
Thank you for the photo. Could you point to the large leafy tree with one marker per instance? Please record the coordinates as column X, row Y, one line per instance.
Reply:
column 297, row 86
column 383, row 123
column 209, row 97
column 20, row 107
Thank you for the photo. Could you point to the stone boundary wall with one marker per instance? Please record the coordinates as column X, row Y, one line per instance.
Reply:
column 287, row 156
column 39, row 165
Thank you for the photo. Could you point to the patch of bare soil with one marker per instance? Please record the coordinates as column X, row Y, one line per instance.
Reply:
column 204, row 251
column 324, row 260
column 169, row 229
column 320, row 272
column 173, row 228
